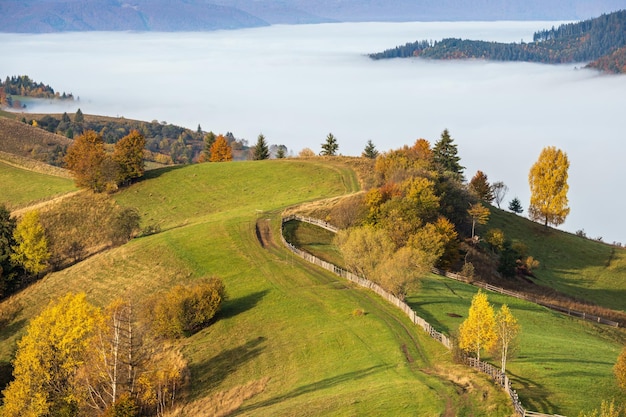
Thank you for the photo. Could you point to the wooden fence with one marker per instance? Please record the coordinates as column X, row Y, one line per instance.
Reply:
column 493, row 288
column 496, row 374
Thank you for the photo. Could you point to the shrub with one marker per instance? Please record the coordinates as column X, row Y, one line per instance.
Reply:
column 185, row 309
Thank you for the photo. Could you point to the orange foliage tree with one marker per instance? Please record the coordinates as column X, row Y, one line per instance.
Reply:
column 89, row 163
column 128, row 153
column 221, row 150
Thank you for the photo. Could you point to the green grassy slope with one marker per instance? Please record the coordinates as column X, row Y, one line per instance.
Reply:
column 559, row 357
column 284, row 319
column 21, row 187
column 580, row 267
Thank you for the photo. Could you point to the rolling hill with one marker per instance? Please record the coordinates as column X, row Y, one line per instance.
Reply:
column 284, row 320
column 319, row 344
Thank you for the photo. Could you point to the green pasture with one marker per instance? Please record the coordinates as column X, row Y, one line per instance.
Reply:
column 327, row 347
column 558, row 357
column 580, row 267
column 19, row 187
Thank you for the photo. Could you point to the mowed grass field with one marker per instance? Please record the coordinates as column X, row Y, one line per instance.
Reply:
column 284, row 320
column 19, row 187
column 563, row 365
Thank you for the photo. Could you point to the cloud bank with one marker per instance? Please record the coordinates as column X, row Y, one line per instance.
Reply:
column 295, row 84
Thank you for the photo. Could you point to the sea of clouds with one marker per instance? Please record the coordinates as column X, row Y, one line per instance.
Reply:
column 296, row 84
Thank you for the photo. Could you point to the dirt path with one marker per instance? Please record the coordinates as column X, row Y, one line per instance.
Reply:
column 41, row 204
column 264, row 233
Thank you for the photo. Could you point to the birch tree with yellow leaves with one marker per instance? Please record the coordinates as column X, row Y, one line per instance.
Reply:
column 507, row 330
column 478, row 331
column 548, row 187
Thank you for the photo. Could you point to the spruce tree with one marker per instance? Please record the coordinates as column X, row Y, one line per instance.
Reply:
column 516, row 206
column 330, row 147
column 370, row 151
column 209, row 139
column 445, row 156
column 261, row 150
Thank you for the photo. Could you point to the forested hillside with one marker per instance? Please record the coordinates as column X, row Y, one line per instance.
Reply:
column 165, row 143
column 584, row 41
column 23, row 86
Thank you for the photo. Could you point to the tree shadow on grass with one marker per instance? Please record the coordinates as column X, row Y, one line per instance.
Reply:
column 232, row 308
column 430, row 318
column 6, row 374
column 210, row 373
column 534, row 396
column 349, row 377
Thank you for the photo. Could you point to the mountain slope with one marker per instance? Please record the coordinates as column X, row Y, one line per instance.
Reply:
column 40, row 16
column 110, row 15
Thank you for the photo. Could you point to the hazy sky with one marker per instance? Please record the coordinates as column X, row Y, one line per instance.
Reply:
column 295, row 84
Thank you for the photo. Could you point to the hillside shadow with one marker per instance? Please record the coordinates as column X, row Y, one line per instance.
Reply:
column 240, row 305
column 12, row 329
column 157, row 172
column 349, row 377
column 210, row 373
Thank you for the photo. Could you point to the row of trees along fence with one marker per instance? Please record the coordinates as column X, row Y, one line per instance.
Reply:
column 496, row 374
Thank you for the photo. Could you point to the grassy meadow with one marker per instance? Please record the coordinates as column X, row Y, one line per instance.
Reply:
column 558, row 357
column 321, row 346
column 583, row 268
column 21, row 187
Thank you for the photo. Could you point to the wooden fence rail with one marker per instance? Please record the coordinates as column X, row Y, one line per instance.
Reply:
column 493, row 288
column 496, row 374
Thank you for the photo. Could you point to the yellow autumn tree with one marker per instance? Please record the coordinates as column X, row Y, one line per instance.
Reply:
column 402, row 270
column 479, row 214
column 548, row 187
column 478, row 331
column 220, row 150
column 48, row 358
column 159, row 386
column 507, row 330
column 31, row 245
column 364, row 248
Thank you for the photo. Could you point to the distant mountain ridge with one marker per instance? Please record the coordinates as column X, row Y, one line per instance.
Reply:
column 43, row 16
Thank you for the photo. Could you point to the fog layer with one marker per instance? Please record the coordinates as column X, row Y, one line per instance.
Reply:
column 295, row 84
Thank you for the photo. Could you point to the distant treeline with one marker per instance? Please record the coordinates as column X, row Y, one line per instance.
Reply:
column 166, row 143
column 22, row 85
column 584, row 41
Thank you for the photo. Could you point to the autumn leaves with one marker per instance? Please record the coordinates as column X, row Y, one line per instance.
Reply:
column 78, row 359
column 484, row 329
